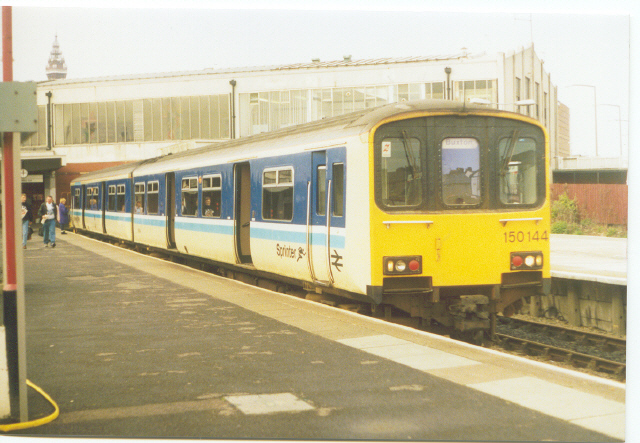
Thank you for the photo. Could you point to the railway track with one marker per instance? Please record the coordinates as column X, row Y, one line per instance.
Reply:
column 592, row 352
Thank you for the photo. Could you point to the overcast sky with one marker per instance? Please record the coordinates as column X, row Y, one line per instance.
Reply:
column 581, row 42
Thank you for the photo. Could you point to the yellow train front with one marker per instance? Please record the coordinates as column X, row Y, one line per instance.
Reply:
column 459, row 214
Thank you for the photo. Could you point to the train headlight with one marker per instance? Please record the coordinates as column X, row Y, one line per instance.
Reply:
column 529, row 261
column 522, row 261
column 402, row 265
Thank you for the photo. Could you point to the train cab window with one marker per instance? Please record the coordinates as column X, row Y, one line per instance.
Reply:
column 120, row 199
column 518, row 170
column 189, row 196
column 321, row 192
column 152, row 197
column 139, row 194
column 401, row 171
column 461, row 171
column 277, row 194
column 337, row 191
column 211, row 196
column 111, row 199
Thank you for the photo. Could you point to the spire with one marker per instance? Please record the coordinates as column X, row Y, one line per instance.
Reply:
column 57, row 68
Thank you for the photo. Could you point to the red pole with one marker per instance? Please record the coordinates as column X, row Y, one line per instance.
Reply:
column 10, row 280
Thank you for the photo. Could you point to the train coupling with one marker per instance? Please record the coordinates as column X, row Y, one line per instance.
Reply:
column 470, row 312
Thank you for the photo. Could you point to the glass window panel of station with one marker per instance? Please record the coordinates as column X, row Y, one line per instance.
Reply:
column 59, row 126
column 205, row 117
column 273, row 104
column 138, row 121
column 147, row 110
column 93, row 122
column 299, row 107
column 66, row 124
column 84, row 123
column 102, row 122
column 185, row 124
column 215, row 117
column 359, row 98
column 128, row 121
column 225, row 118
column 194, row 117
column 156, row 106
column 120, row 122
column 176, row 112
column 75, row 124
column 111, row 122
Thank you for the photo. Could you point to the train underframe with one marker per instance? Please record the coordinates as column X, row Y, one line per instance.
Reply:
column 467, row 312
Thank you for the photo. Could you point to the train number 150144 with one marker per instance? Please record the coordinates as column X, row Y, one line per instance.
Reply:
column 520, row 236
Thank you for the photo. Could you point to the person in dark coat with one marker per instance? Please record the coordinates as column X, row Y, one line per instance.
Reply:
column 27, row 219
column 63, row 215
column 49, row 213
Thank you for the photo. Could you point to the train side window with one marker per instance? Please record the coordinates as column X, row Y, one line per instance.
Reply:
column 189, row 196
column 211, row 196
column 152, row 197
column 92, row 198
column 401, row 171
column 337, row 191
column 120, row 200
column 321, row 194
column 139, row 193
column 277, row 194
column 461, row 171
column 76, row 199
column 111, row 202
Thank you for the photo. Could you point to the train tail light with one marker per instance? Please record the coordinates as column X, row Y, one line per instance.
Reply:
column 402, row 265
column 523, row 261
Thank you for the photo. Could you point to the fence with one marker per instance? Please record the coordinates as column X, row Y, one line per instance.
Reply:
column 601, row 203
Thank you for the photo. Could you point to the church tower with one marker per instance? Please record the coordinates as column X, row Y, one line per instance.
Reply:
column 57, row 68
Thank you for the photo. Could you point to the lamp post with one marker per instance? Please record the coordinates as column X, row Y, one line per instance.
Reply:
column 595, row 111
column 619, row 123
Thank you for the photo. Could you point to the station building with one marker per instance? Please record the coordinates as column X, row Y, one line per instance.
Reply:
column 92, row 123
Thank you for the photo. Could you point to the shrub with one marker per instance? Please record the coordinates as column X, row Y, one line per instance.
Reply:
column 559, row 227
column 565, row 209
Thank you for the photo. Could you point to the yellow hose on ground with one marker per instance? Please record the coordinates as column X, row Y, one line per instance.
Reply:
column 34, row 423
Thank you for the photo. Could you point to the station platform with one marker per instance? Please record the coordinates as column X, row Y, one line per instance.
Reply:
column 589, row 258
column 136, row 347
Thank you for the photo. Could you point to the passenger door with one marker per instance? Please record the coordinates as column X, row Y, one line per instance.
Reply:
column 170, row 205
column 242, row 212
column 324, row 211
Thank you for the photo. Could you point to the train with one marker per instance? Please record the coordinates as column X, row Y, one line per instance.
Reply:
column 435, row 209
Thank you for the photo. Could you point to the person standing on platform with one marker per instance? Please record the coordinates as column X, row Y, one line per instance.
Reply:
column 49, row 213
column 27, row 219
column 63, row 215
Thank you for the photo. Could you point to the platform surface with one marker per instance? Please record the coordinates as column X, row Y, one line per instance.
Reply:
column 590, row 258
column 133, row 346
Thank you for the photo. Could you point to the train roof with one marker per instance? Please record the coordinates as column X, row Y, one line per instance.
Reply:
column 313, row 135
